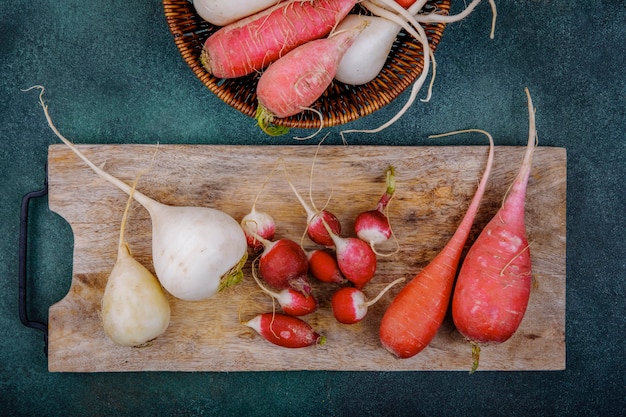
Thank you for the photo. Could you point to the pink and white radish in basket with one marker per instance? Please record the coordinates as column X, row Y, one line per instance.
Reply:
column 493, row 287
column 196, row 251
column 250, row 44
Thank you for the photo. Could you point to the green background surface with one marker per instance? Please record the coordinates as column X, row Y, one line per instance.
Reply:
column 114, row 75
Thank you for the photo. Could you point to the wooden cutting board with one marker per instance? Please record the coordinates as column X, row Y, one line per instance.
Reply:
column 434, row 187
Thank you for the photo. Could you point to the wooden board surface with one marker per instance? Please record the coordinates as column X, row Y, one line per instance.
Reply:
column 434, row 187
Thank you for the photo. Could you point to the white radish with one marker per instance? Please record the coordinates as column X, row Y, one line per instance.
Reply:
column 367, row 55
column 223, row 12
column 134, row 308
column 196, row 251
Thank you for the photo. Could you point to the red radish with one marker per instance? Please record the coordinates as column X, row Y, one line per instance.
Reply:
column 323, row 266
column 258, row 223
column 350, row 306
column 416, row 313
column 286, row 331
column 492, row 290
column 292, row 302
column 283, row 264
column 252, row 43
column 295, row 81
column 373, row 226
column 315, row 220
column 356, row 259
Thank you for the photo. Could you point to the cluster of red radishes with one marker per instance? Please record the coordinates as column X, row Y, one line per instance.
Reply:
column 285, row 267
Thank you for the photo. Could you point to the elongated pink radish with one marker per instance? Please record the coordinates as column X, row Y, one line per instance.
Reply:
column 295, row 81
column 373, row 226
column 252, row 43
column 292, row 302
column 350, row 305
column 286, row 331
column 323, row 267
column 493, row 288
column 414, row 316
column 355, row 257
column 283, row 264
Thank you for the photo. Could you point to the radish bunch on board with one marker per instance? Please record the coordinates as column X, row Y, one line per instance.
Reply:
column 196, row 251
column 493, row 287
column 252, row 43
column 416, row 313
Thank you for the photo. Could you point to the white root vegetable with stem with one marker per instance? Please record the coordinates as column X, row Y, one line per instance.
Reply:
column 196, row 251
column 134, row 308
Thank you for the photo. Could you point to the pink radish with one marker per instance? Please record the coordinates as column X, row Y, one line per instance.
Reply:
column 295, row 81
column 350, row 306
column 286, row 331
column 323, row 266
column 356, row 259
column 292, row 302
column 252, row 43
column 373, row 226
column 493, row 288
column 283, row 264
column 416, row 313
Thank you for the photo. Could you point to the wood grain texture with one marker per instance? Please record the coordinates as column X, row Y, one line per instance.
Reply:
column 434, row 187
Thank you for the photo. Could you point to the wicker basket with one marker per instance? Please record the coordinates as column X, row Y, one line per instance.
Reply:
column 340, row 103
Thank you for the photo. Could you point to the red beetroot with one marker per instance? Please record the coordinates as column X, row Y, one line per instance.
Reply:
column 323, row 266
column 286, row 331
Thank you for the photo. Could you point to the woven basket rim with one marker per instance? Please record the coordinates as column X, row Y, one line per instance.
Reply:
column 340, row 104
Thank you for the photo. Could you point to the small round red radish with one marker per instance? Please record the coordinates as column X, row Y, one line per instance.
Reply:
column 315, row 219
column 283, row 264
column 258, row 223
column 323, row 267
column 350, row 305
column 373, row 226
column 292, row 302
column 286, row 331
column 356, row 259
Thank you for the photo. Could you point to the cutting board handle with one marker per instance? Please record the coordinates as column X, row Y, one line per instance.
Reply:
column 23, row 247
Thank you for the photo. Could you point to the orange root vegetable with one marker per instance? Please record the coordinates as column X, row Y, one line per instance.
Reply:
column 416, row 313
column 252, row 43
column 298, row 79
column 323, row 266
column 493, row 288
